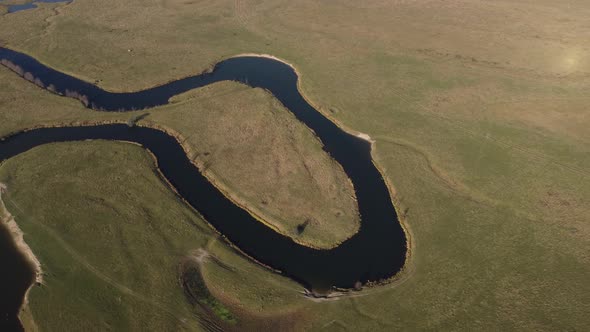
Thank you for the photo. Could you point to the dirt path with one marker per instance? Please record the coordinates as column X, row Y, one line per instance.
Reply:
column 239, row 12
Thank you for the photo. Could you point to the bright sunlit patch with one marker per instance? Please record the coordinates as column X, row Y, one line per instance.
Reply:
column 571, row 61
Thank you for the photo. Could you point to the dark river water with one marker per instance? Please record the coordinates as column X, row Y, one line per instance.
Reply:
column 376, row 252
column 30, row 5
column 15, row 277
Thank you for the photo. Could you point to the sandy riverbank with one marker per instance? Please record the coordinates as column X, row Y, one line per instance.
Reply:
column 8, row 221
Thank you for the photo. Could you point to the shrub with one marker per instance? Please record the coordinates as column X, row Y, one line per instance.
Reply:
column 39, row 83
column 29, row 77
column 301, row 227
column 76, row 95
column 12, row 66
column 135, row 118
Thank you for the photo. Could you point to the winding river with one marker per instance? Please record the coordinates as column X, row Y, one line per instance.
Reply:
column 376, row 252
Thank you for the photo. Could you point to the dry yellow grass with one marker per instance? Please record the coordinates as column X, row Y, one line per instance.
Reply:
column 263, row 158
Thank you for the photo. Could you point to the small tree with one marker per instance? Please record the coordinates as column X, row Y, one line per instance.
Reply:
column 358, row 286
column 39, row 83
column 301, row 227
column 29, row 77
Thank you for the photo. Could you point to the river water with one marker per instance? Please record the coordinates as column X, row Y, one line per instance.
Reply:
column 376, row 252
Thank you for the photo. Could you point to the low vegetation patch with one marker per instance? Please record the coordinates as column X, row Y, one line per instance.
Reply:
column 197, row 293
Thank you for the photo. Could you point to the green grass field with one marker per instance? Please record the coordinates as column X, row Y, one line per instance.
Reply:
column 289, row 180
column 478, row 110
column 95, row 256
column 110, row 257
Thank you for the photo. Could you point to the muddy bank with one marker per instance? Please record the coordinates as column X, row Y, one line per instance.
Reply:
column 25, row 269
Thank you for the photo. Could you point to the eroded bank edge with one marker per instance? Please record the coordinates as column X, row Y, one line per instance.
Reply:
column 8, row 221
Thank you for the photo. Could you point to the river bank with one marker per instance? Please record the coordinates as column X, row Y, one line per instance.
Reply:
column 18, row 236
column 29, row 263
